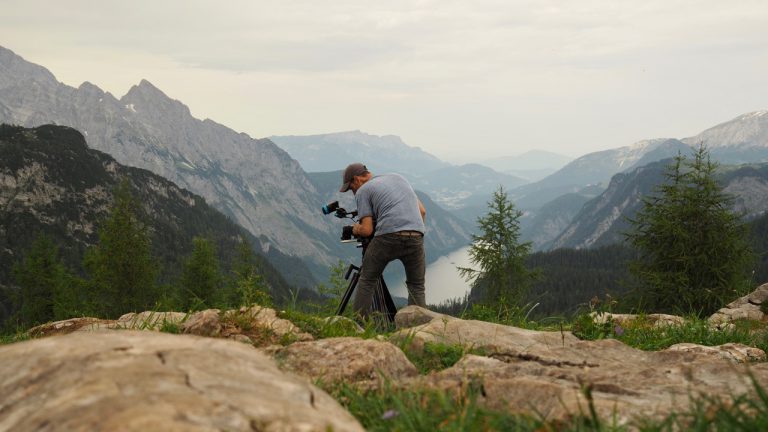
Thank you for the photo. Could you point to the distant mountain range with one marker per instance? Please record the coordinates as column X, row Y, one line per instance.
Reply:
column 602, row 220
column 532, row 165
column 252, row 181
column 52, row 183
column 741, row 140
column 461, row 188
column 334, row 151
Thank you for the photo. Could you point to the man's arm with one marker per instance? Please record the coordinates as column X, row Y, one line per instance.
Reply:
column 364, row 228
column 422, row 210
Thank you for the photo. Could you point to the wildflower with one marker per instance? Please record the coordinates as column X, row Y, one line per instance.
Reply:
column 389, row 414
column 618, row 330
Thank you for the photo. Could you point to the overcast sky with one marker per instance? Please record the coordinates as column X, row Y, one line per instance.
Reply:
column 464, row 80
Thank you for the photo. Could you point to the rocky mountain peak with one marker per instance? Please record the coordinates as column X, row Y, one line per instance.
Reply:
column 152, row 102
column 90, row 88
column 13, row 69
column 748, row 130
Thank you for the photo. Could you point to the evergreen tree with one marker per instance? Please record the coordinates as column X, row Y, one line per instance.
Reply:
column 332, row 292
column 693, row 250
column 47, row 290
column 501, row 275
column 201, row 279
column 248, row 286
column 121, row 265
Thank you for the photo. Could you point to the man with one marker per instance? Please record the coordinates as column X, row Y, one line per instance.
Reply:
column 389, row 210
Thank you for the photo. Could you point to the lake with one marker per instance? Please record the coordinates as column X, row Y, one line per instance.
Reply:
column 442, row 279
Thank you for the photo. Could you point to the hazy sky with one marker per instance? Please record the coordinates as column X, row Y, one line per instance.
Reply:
column 456, row 78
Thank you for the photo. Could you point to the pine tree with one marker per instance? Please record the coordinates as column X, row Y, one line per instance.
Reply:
column 332, row 291
column 248, row 286
column 47, row 290
column 121, row 266
column 201, row 279
column 499, row 254
column 694, row 253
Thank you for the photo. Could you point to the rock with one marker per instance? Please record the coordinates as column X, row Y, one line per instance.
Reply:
column 151, row 320
column 624, row 383
column 71, row 325
column 137, row 381
column 746, row 308
column 267, row 318
column 491, row 338
column 412, row 316
column 203, row 323
column 624, row 320
column 735, row 352
column 347, row 359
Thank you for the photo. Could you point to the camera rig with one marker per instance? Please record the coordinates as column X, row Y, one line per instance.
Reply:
column 382, row 304
column 341, row 213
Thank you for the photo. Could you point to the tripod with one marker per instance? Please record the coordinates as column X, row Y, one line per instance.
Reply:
column 382, row 301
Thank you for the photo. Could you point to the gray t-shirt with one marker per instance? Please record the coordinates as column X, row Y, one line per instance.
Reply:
column 392, row 203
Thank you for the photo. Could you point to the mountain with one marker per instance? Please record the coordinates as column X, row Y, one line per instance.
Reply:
column 52, row 183
column 603, row 219
column 550, row 220
column 252, row 181
column 334, row 151
column 532, row 165
column 464, row 189
column 595, row 169
column 741, row 140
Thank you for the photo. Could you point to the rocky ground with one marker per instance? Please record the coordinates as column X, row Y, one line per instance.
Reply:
column 248, row 369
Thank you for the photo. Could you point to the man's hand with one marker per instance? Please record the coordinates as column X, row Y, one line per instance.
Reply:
column 364, row 228
column 422, row 210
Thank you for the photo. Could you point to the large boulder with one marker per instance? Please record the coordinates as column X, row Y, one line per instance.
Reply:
column 746, row 308
column 556, row 375
column 491, row 338
column 366, row 362
column 619, row 382
column 258, row 325
column 127, row 380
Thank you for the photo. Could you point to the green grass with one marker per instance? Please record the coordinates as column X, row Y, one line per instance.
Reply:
column 14, row 337
column 322, row 328
column 393, row 409
column 435, row 356
column 641, row 334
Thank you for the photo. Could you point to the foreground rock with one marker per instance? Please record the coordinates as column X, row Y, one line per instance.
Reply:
column 125, row 380
column 365, row 362
column 547, row 373
column 258, row 325
column 148, row 320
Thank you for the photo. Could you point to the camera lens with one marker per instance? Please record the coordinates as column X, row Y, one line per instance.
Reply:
column 330, row 208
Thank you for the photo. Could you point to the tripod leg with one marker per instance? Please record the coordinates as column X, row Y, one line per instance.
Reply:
column 382, row 301
column 389, row 305
column 348, row 293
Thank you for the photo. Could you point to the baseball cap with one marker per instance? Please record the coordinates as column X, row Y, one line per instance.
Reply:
column 354, row 169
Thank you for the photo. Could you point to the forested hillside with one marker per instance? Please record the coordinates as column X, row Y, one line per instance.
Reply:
column 52, row 184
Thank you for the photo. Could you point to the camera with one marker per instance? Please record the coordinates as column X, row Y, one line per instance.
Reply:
column 341, row 213
column 346, row 233
column 330, row 208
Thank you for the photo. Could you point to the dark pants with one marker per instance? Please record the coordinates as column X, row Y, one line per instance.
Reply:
column 381, row 251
